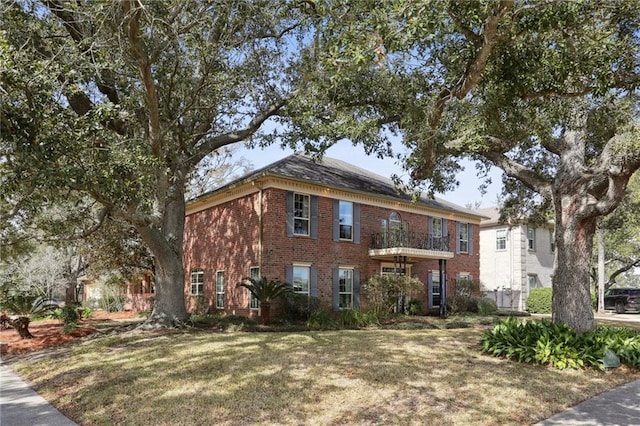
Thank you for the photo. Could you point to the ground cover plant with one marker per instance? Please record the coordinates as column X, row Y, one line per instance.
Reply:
column 557, row 345
column 381, row 375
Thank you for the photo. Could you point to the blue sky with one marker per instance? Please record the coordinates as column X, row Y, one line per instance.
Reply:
column 467, row 192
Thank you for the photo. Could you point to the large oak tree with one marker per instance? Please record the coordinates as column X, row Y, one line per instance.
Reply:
column 546, row 91
column 118, row 101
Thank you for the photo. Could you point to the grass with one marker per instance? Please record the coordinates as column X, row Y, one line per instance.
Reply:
column 430, row 375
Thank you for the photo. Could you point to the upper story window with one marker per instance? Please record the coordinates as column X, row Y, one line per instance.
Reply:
column 531, row 239
column 301, row 214
column 197, row 282
column 463, row 237
column 437, row 227
column 501, row 239
column 346, row 220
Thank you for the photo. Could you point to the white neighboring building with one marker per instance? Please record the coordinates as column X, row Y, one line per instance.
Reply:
column 513, row 259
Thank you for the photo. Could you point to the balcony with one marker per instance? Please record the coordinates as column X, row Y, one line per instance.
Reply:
column 386, row 245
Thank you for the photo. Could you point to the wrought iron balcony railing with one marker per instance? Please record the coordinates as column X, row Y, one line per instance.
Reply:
column 417, row 240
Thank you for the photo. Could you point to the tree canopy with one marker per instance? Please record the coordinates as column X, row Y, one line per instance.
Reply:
column 117, row 102
column 546, row 91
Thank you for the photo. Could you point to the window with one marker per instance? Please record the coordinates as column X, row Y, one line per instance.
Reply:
column 531, row 238
column 437, row 227
column 220, row 289
column 552, row 239
column 197, row 282
column 501, row 239
column 435, row 288
column 463, row 238
column 346, row 288
column 301, row 279
column 533, row 282
column 301, row 214
column 254, row 303
column 346, row 220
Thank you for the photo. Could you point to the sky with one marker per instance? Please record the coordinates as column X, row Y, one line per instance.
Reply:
column 467, row 192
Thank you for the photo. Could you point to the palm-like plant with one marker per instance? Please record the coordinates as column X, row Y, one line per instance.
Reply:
column 265, row 291
column 26, row 305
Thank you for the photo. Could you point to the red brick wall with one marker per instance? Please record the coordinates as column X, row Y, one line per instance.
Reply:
column 226, row 238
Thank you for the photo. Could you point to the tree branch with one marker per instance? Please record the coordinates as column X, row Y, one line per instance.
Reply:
column 468, row 81
column 207, row 143
column 133, row 10
column 527, row 176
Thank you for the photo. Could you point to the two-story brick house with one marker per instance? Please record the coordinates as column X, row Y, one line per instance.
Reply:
column 323, row 227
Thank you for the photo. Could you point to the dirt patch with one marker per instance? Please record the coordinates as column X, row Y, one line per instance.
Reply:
column 48, row 333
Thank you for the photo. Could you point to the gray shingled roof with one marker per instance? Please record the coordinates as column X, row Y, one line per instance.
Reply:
column 339, row 174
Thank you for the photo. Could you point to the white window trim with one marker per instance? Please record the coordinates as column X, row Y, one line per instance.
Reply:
column 307, row 219
column 340, row 224
column 306, row 266
column 220, row 306
column 340, row 293
column 461, row 240
column 251, row 296
column 498, row 231
column 531, row 241
column 198, row 285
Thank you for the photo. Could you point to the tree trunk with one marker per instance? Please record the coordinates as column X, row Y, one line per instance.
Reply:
column 601, row 269
column 265, row 312
column 21, row 324
column 571, row 303
column 165, row 243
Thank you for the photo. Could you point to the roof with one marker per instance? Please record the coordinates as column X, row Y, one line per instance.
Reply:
column 492, row 215
column 340, row 175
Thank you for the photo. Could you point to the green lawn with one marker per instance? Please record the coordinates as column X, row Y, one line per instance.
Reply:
column 191, row 377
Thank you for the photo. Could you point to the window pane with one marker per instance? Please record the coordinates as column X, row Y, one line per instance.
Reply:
column 301, row 214
column 301, row 279
column 220, row 289
column 254, row 273
column 345, row 288
column 197, row 281
column 437, row 227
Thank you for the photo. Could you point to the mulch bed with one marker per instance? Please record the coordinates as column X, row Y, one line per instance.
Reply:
column 48, row 333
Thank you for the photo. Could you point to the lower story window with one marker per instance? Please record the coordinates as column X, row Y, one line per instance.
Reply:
column 435, row 289
column 197, row 282
column 346, row 288
column 301, row 279
column 220, row 289
column 254, row 274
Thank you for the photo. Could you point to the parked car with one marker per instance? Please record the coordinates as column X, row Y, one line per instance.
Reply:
column 622, row 299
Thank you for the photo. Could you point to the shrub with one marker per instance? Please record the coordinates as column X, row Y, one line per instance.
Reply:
column 461, row 299
column 414, row 307
column 539, row 301
column 353, row 318
column 541, row 342
column 300, row 307
column 322, row 319
column 486, row 306
column 70, row 317
column 383, row 292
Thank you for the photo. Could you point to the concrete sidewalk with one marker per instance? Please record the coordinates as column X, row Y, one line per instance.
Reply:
column 22, row 406
column 618, row 406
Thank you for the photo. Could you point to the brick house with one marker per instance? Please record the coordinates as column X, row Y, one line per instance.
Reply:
column 324, row 227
